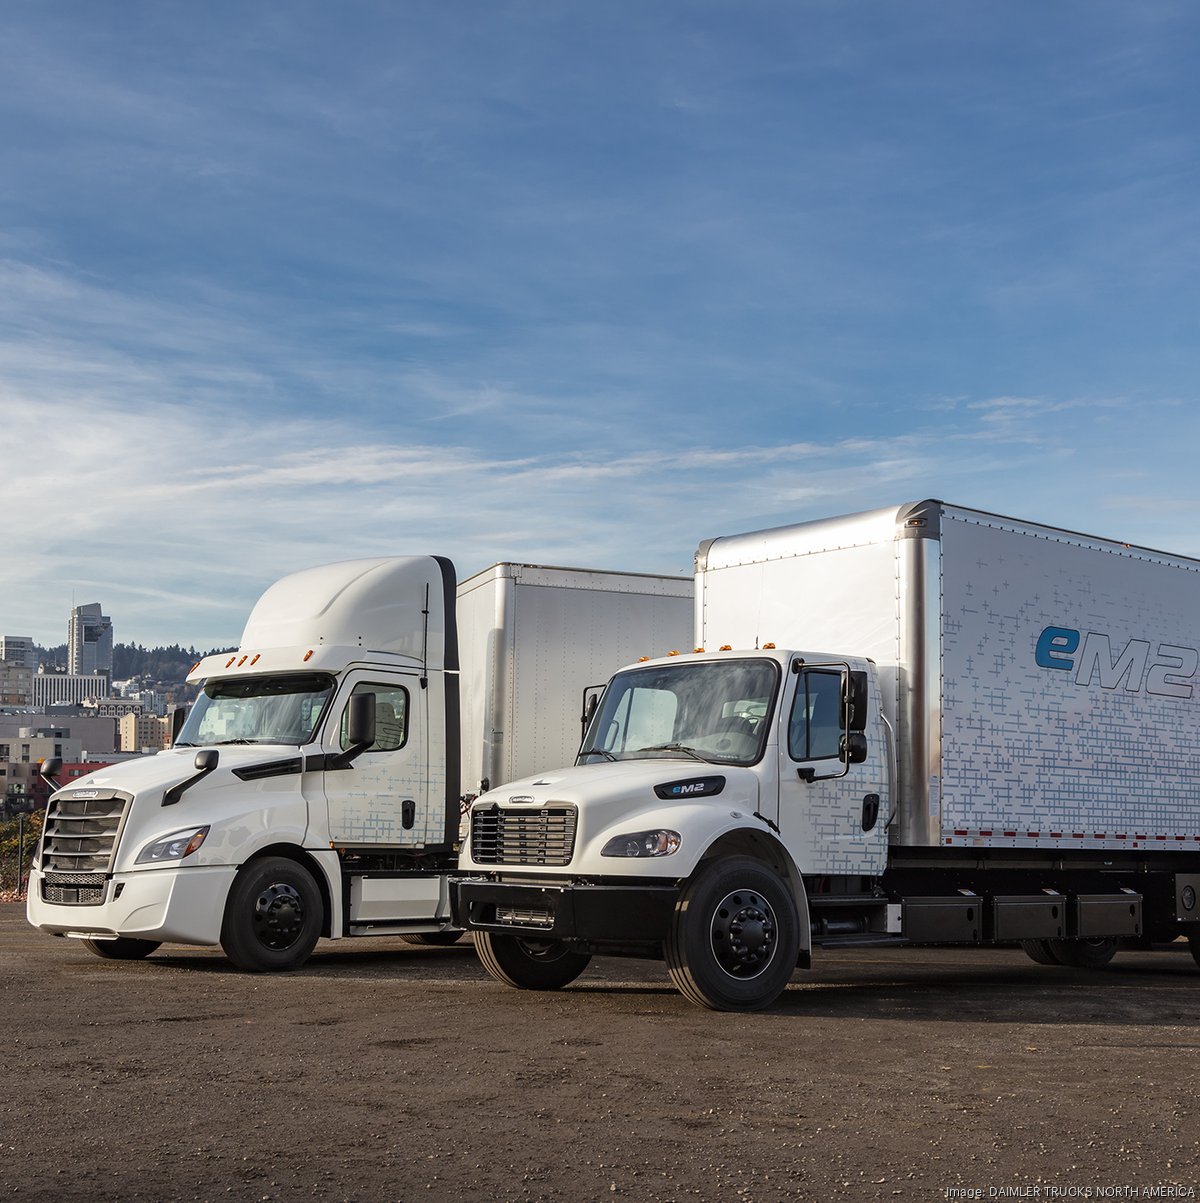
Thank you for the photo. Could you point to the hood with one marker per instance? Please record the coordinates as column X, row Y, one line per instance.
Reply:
column 595, row 782
column 238, row 809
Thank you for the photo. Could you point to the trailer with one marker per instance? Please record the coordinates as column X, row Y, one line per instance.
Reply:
column 924, row 724
column 317, row 785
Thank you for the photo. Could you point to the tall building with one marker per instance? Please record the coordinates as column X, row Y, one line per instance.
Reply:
column 16, row 685
column 18, row 650
column 89, row 642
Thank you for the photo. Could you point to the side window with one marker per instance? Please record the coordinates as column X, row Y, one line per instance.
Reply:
column 815, row 727
column 391, row 717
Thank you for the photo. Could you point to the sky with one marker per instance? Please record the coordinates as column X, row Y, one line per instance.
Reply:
column 578, row 284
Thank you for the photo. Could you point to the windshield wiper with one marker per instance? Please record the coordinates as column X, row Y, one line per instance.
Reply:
column 677, row 748
column 597, row 752
column 223, row 742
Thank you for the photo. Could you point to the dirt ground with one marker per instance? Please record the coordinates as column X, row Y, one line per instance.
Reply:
column 393, row 1072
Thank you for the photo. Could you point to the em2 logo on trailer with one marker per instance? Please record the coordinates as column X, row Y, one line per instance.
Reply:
column 1090, row 656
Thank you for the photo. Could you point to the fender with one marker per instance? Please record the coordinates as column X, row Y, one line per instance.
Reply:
column 765, row 846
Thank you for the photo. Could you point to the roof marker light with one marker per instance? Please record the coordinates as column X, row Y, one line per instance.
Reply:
column 257, row 656
column 673, row 652
column 230, row 661
column 726, row 647
column 243, row 660
column 643, row 659
column 768, row 647
column 308, row 655
column 697, row 649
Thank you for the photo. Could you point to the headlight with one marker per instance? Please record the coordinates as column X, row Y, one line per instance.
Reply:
column 642, row 843
column 173, row 847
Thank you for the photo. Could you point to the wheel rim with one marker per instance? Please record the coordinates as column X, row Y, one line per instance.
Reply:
column 278, row 916
column 542, row 950
column 743, row 934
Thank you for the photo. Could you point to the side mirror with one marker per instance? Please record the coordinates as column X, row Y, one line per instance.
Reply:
column 50, row 769
column 360, row 730
column 854, row 698
column 591, row 699
column 360, row 725
column 206, row 760
column 852, row 749
column 178, row 718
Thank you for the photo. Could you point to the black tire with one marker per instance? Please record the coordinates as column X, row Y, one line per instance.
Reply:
column 529, row 964
column 438, row 938
column 273, row 916
column 1085, row 954
column 1040, row 951
column 123, row 948
column 734, row 938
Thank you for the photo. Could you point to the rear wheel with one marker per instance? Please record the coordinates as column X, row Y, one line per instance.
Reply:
column 440, row 938
column 273, row 916
column 1039, row 950
column 123, row 948
column 734, row 938
column 1085, row 954
column 529, row 964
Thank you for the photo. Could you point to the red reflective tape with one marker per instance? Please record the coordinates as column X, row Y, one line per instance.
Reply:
column 1010, row 835
column 1032, row 835
column 957, row 832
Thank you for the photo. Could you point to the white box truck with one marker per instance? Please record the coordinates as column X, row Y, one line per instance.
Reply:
column 924, row 724
column 316, row 786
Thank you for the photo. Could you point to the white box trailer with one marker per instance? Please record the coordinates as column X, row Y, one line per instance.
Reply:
column 316, row 787
column 923, row 724
column 533, row 639
column 1041, row 683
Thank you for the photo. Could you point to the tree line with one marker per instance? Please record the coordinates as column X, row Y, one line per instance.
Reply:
column 130, row 660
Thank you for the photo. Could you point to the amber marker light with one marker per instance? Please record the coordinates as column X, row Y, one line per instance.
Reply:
column 726, row 647
column 253, row 662
column 230, row 661
column 768, row 647
column 673, row 652
column 243, row 661
column 697, row 649
column 308, row 655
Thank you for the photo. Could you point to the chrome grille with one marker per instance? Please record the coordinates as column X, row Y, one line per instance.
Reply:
column 81, row 834
column 523, row 837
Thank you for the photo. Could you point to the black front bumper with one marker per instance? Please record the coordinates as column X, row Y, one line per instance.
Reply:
column 626, row 913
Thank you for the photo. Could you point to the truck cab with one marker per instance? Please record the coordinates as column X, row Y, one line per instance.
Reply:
column 708, row 788
column 312, row 790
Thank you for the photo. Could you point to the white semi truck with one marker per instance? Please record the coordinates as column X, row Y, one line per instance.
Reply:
column 918, row 725
column 316, row 786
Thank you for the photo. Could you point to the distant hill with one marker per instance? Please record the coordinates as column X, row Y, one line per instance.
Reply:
column 168, row 665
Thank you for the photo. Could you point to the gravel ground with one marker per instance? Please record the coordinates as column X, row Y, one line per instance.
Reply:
column 393, row 1072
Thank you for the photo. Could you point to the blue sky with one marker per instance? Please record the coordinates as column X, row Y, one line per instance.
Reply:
column 577, row 283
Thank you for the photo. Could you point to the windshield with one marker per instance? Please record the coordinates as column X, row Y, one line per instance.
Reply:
column 709, row 710
column 257, row 710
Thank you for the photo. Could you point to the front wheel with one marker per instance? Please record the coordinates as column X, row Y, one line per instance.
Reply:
column 273, row 916
column 734, row 938
column 1084, row 954
column 123, row 948
column 529, row 964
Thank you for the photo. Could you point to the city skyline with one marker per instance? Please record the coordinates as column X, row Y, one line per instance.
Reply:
column 578, row 286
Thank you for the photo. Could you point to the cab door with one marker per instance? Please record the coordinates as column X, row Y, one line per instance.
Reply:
column 832, row 815
column 382, row 799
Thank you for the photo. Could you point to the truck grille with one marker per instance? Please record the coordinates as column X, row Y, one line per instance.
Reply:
column 81, row 835
column 523, row 837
